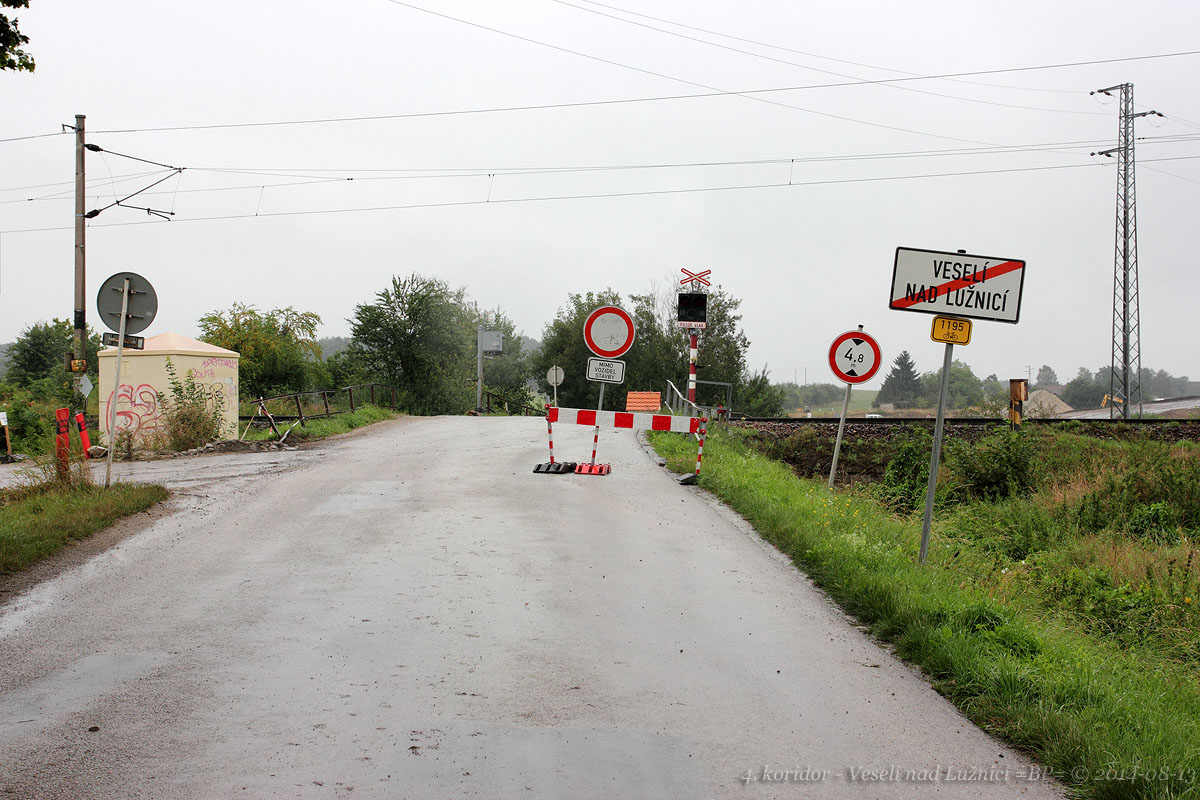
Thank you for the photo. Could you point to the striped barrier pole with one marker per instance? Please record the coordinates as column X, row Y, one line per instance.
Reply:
column 550, row 436
column 703, row 432
column 693, row 357
column 596, row 437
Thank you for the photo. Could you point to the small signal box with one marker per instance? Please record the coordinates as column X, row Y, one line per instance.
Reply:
column 693, row 309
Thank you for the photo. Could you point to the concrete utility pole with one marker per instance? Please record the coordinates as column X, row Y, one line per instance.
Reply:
column 1125, row 380
column 80, row 338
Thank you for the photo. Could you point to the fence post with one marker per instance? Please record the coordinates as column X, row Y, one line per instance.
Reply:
column 325, row 397
column 372, row 394
column 393, row 398
column 299, row 410
column 350, row 389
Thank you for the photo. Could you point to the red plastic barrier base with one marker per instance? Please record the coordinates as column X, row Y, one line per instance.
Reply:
column 592, row 469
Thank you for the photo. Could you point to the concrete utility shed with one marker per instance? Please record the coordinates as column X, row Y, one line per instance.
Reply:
column 144, row 376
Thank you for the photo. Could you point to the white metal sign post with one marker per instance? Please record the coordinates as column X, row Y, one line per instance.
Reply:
column 608, row 332
column 554, row 377
column 953, row 285
column 138, row 306
column 854, row 358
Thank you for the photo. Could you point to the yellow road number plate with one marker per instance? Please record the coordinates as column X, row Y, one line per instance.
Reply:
column 951, row 330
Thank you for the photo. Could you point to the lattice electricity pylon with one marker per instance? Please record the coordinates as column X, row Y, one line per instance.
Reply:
column 1125, row 377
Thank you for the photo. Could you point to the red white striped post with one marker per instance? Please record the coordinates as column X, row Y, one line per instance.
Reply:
column 693, row 355
column 550, row 436
column 703, row 432
column 595, row 442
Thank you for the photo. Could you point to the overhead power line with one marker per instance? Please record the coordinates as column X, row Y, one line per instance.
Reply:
column 613, row 102
column 601, row 195
column 785, row 61
column 812, row 55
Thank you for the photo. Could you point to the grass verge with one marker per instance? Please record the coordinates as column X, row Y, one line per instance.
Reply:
column 36, row 521
column 328, row 426
column 1099, row 718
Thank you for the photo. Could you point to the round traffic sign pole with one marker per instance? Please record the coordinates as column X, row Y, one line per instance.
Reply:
column 854, row 358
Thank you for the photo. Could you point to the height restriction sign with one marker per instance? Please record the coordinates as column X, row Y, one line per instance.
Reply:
column 854, row 357
column 957, row 284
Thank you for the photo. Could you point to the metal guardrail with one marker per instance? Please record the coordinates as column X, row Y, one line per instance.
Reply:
column 368, row 394
column 492, row 401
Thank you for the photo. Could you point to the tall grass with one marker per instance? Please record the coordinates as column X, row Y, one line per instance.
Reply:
column 48, row 510
column 1110, row 723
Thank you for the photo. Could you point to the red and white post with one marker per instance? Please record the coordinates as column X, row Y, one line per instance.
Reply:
column 702, row 433
column 693, row 355
column 550, row 436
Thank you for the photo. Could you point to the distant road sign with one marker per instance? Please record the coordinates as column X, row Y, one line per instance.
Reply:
column 698, row 277
column 605, row 370
column 609, row 331
column 951, row 330
column 939, row 282
column 554, row 376
column 854, row 357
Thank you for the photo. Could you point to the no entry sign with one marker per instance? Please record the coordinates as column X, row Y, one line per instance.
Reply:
column 854, row 357
column 957, row 284
column 608, row 331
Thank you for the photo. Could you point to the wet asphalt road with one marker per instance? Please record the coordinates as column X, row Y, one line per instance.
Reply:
column 412, row 613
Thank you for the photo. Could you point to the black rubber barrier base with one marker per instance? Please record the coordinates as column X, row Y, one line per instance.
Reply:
column 557, row 468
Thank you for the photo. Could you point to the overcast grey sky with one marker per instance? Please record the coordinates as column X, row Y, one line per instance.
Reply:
column 809, row 248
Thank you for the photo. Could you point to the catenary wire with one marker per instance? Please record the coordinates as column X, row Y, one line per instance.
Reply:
column 825, row 71
column 640, row 193
column 816, row 55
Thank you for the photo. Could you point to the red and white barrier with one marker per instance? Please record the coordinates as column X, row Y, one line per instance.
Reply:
column 623, row 419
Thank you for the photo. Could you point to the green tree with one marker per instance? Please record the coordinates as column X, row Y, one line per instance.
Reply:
column 419, row 336
column 509, row 372
column 36, row 361
column 659, row 352
column 275, row 347
column 12, row 41
column 756, row 396
column 563, row 346
column 963, row 388
column 902, row 385
column 1046, row 376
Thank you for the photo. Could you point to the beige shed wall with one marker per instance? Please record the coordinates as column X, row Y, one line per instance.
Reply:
column 144, row 376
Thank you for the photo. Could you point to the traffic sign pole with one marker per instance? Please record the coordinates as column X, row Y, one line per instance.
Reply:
column 862, row 357
column 112, row 403
column 596, row 437
column 931, row 489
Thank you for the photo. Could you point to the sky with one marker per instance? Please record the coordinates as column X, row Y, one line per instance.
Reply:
column 529, row 149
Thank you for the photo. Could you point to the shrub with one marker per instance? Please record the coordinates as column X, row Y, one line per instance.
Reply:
column 192, row 417
column 997, row 466
column 906, row 477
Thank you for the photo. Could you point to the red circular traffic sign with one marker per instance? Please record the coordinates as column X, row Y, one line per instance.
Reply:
column 608, row 331
column 854, row 357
